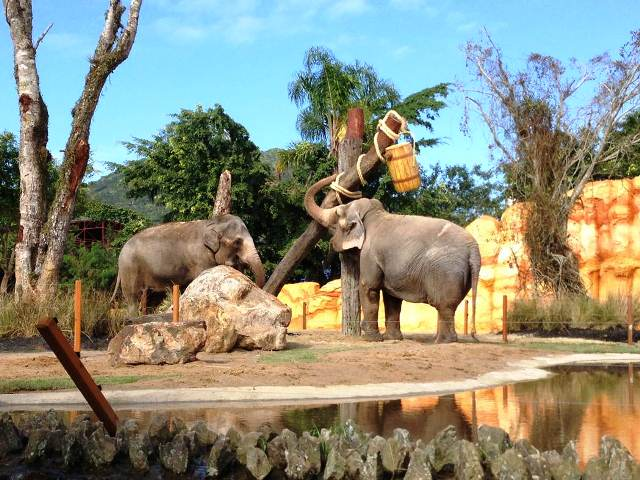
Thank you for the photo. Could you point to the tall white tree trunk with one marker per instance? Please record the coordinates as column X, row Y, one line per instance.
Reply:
column 40, row 245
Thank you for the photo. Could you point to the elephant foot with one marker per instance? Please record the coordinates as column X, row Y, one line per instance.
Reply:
column 372, row 337
column 393, row 335
column 447, row 338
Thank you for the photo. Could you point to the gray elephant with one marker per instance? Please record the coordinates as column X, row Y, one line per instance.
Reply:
column 412, row 258
column 177, row 252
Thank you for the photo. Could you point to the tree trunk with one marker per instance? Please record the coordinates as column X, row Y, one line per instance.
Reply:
column 222, row 204
column 314, row 231
column 39, row 248
column 33, row 153
column 348, row 151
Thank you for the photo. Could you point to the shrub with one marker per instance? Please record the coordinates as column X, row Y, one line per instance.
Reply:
column 569, row 312
column 98, row 319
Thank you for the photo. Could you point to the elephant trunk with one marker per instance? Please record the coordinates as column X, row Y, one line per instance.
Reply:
column 325, row 217
column 251, row 257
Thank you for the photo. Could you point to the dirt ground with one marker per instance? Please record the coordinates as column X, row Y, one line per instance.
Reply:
column 315, row 358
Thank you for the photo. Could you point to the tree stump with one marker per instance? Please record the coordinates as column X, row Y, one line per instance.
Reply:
column 222, row 204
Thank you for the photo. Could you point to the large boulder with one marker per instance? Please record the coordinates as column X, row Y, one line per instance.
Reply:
column 157, row 343
column 237, row 313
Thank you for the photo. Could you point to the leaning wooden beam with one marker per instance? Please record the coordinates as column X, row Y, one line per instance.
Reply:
column 48, row 328
column 314, row 231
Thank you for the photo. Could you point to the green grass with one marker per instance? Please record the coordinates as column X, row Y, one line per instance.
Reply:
column 579, row 347
column 302, row 355
column 61, row 383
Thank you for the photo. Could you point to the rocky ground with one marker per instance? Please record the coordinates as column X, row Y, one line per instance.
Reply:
column 42, row 446
column 316, row 358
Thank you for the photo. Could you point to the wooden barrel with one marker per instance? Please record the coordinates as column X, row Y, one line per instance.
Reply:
column 403, row 167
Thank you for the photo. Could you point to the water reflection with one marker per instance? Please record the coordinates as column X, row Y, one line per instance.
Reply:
column 577, row 403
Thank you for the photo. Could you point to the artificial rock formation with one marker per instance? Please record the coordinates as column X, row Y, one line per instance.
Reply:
column 220, row 310
column 237, row 313
column 157, row 343
column 603, row 232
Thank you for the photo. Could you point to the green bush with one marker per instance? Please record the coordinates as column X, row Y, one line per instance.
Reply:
column 96, row 266
column 569, row 312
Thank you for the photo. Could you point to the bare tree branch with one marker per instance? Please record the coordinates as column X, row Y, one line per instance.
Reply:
column 41, row 37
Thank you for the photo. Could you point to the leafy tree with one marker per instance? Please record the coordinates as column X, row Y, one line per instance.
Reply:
column 627, row 165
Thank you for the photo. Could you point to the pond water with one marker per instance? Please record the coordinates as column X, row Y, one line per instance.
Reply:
column 580, row 403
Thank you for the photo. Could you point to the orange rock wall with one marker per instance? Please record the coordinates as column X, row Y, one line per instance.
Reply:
column 604, row 231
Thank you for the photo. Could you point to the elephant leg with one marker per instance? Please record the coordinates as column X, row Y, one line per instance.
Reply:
column 446, row 327
column 370, row 300
column 392, row 317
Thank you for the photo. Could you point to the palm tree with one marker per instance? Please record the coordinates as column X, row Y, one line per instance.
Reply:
column 325, row 90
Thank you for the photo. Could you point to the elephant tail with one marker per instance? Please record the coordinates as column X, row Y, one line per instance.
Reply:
column 474, row 264
column 115, row 290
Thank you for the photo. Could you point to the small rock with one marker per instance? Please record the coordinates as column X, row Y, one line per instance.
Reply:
column 254, row 460
column 159, row 430
column 335, row 468
column 10, row 440
column 354, row 464
column 310, row 448
column 221, row 457
column 395, row 455
column 174, row 456
column 441, row 451
column 596, row 469
column 276, row 453
column 468, row 465
column 561, row 468
column 493, row 442
column 418, row 468
column 101, row 448
column 139, row 449
column 509, row 466
column 37, row 446
column 126, row 430
column 204, row 436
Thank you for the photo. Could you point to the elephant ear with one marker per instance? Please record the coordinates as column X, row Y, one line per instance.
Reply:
column 211, row 238
column 353, row 233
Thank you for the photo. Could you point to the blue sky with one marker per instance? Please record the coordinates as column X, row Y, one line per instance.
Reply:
column 243, row 53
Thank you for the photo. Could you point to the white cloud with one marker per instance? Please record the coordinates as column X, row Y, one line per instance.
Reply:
column 467, row 27
column 67, row 43
column 245, row 21
column 401, row 51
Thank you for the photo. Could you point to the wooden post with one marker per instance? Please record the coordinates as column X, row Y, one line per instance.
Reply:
column 348, row 151
column 304, row 315
column 143, row 302
column 630, row 320
column 176, row 304
column 466, row 317
column 48, row 328
column 504, row 318
column 77, row 317
column 222, row 204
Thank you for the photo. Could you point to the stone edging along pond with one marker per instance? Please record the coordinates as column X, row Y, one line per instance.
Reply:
column 524, row 370
column 41, row 444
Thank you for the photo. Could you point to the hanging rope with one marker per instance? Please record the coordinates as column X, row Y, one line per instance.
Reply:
column 382, row 127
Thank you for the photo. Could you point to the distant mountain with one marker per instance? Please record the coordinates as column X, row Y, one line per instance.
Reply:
column 111, row 189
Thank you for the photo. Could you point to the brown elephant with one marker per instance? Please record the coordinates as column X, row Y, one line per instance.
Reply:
column 175, row 253
column 412, row 258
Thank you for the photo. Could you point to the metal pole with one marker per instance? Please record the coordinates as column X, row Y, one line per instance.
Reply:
column 77, row 317
column 304, row 315
column 48, row 328
column 504, row 318
column 466, row 317
column 176, row 303
column 630, row 320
